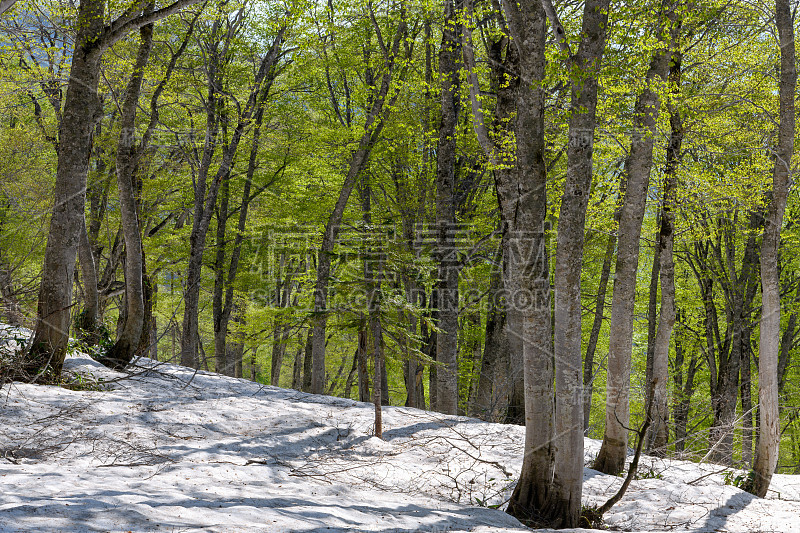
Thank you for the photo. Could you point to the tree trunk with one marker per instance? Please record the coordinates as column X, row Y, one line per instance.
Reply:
column 745, row 391
column 235, row 345
column 447, row 256
column 380, row 392
column 523, row 200
column 375, row 119
column 659, row 429
column 594, row 335
column 119, row 355
column 564, row 504
column 307, row 359
column 217, row 311
column 488, row 405
column 205, row 197
column 224, row 308
column 87, row 323
column 412, row 366
column 652, row 307
column 297, row 368
column 611, row 459
column 769, row 337
column 363, row 373
column 683, row 394
column 508, row 388
column 80, row 114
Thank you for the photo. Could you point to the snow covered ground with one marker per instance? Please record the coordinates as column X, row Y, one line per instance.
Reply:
column 168, row 449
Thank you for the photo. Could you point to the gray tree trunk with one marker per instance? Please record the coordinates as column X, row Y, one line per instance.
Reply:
column 224, row 281
column 769, row 337
column 80, row 114
column 523, row 200
column 659, row 428
column 376, row 117
column 205, row 197
column 611, row 459
column 507, row 387
column 488, row 403
column 684, row 389
column 87, row 323
column 564, row 505
column 123, row 350
column 81, row 111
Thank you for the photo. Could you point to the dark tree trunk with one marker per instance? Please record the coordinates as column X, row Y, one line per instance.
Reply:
column 505, row 84
column 446, row 253
column 594, row 334
column 297, row 367
column 376, row 117
column 363, row 373
column 88, row 319
column 659, row 369
column 489, row 402
column 307, row 358
column 224, row 281
column 205, row 196
column 220, row 321
column 746, row 392
column 684, row 391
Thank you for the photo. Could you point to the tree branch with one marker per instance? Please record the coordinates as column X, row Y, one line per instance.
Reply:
column 5, row 5
column 115, row 31
column 558, row 29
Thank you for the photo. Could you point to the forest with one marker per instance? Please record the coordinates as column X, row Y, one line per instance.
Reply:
column 574, row 216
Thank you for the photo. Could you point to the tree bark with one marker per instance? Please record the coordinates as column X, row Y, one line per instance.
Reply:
column 659, row 430
column 769, row 338
column 594, row 334
column 746, row 392
column 225, row 283
column 363, row 373
column 489, row 403
column 123, row 350
column 379, row 390
column 205, row 196
column 611, row 459
column 564, row 505
column 87, row 323
column 81, row 111
column 684, row 391
column 447, row 257
column 523, row 200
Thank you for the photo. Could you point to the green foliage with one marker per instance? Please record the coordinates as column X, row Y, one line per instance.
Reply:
column 314, row 117
column 742, row 480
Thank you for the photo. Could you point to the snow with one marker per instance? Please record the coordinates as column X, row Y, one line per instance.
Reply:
column 166, row 448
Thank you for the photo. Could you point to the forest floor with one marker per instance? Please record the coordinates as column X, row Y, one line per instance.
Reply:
column 169, row 449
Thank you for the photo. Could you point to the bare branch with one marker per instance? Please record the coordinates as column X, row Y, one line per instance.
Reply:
column 114, row 32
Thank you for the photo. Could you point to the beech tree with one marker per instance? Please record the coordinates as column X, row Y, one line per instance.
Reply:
column 769, row 336
column 554, row 139
column 611, row 459
column 79, row 116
